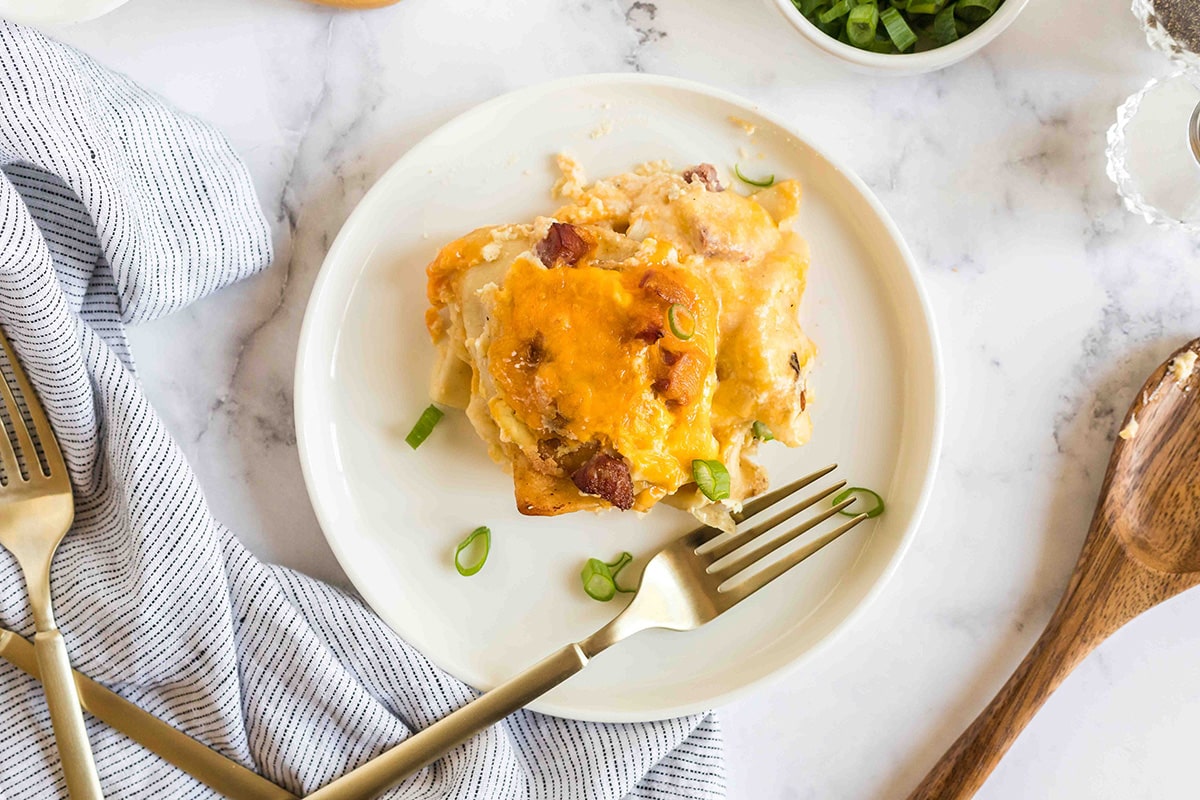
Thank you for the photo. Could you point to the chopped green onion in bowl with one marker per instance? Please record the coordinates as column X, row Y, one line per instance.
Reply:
column 854, row 509
column 761, row 183
column 897, row 29
column 862, row 25
column 897, row 26
column 420, row 432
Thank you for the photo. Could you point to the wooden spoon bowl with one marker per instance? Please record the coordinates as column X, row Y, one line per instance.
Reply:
column 1155, row 515
column 1143, row 548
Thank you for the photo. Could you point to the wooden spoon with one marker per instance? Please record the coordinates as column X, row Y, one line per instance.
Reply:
column 1143, row 548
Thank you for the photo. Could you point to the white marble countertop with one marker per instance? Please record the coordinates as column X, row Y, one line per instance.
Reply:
column 1053, row 304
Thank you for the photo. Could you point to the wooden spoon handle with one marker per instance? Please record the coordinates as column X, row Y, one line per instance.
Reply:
column 1096, row 603
column 969, row 761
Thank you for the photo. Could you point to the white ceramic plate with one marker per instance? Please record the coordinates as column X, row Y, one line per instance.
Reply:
column 393, row 516
column 56, row 12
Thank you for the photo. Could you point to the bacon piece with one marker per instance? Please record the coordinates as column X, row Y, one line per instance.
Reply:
column 662, row 286
column 706, row 174
column 680, row 378
column 563, row 244
column 606, row 476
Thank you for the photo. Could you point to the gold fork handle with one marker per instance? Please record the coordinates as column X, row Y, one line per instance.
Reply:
column 386, row 770
column 70, row 734
column 228, row 777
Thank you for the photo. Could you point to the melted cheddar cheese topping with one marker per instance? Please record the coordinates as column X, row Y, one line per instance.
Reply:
column 556, row 339
column 588, row 353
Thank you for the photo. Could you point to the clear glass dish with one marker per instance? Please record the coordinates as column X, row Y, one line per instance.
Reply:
column 1154, row 151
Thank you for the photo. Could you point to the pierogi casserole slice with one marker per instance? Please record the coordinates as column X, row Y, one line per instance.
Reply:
column 635, row 346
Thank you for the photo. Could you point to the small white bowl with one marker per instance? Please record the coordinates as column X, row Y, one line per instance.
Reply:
column 902, row 63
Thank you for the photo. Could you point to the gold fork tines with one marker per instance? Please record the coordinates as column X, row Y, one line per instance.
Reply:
column 36, row 511
column 685, row 585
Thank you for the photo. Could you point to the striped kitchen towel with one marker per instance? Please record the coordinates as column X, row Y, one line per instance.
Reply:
column 116, row 209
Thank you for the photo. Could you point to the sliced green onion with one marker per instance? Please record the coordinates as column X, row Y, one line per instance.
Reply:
column 901, row 35
column 681, row 321
column 761, row 431
column 872, row 512
column 881, row 44
column 420, row 432
column 833, row 28
column 838, row 9
column 945, row 26
column 861, row 24
column 712, row 478
column 925, row 6
column 600, row 579
column 471, row 567
column 977, row 10
column 907, row 25
column 763, row 183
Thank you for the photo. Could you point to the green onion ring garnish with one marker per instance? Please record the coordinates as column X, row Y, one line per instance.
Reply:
column 761, row 431
column 467, row 570
column 600, row 579
column 901, row 35
column 762, row 184
column 712, row 478
column 681, row 321
column 420, row 432
column 871, row 513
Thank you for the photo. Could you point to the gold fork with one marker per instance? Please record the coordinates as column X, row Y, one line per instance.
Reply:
column 686, row 584
column 36, row 511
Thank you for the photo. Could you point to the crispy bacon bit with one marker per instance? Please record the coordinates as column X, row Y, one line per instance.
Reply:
column 606, row 476
column 662, row 286
column 563, row 244
column 680, row 377
column 794, row 363
column 706, row 174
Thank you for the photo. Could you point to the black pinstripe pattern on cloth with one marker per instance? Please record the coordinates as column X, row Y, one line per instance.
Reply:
column 116, row 209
